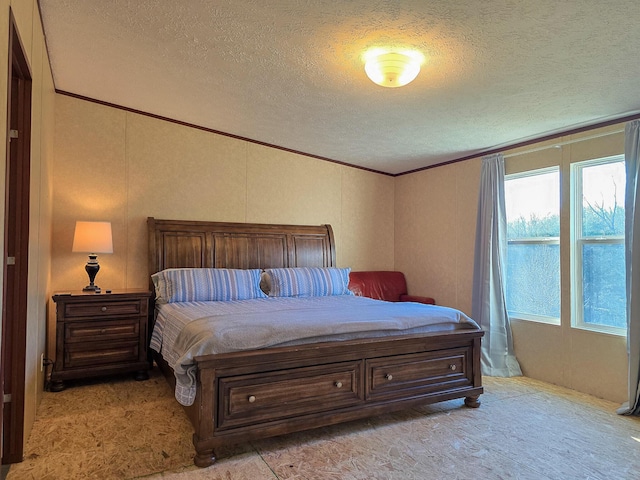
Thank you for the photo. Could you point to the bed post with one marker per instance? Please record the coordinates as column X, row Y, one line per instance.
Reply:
column 205, row 416
column 203, row 458
column 152, row 254
column 472, row 401
column 332, row 246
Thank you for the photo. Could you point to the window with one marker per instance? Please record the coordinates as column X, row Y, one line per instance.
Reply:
column 532, row 202
column 594, row 268
column 598, row 261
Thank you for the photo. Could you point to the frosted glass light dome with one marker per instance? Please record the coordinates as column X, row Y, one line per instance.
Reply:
column 392, row 69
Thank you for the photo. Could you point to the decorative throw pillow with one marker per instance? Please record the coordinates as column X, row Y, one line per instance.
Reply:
column 308, row 281
column 265, row 282
column 206, row 285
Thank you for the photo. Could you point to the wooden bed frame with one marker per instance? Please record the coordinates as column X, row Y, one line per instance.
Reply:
column 261, row 393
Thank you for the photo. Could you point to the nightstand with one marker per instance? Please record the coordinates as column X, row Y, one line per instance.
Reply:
column 100, row 334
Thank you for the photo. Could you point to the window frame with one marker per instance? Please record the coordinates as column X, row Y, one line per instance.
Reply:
column 578, row 241
column 539, row 241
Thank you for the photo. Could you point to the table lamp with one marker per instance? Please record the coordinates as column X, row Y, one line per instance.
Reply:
column 92, row 238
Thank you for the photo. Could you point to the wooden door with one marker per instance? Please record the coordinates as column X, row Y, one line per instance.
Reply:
column 16, row 250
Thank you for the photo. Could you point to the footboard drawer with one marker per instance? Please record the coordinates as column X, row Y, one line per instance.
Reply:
column 257, row 398
column 418, row 374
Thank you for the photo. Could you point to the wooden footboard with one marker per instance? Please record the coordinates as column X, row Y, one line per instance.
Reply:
column 257, row 394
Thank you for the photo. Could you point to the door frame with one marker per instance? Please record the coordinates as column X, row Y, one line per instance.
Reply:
column 16, row 247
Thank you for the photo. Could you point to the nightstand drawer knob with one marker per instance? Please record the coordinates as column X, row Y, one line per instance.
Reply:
column 251, row 398
column 453, row 367
column 338, row 384
column 104, row 309
column 388, row 376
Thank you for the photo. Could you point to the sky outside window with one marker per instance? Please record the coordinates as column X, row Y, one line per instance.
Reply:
column 533, row 195
column 604, row 184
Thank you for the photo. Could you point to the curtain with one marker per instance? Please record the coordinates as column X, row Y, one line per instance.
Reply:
column 632, row 261
column 489, row 306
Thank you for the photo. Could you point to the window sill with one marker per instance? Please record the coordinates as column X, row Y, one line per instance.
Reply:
column 535, row 318
column 618, row 332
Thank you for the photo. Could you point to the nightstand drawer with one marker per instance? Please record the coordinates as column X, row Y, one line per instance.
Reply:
column 102, row 309
column 85, row 355
column 102, row 331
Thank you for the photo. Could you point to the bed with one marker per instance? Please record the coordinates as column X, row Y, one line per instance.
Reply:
column 238, row 396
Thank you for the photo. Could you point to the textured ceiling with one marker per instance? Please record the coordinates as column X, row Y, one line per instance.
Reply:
column 290, row 73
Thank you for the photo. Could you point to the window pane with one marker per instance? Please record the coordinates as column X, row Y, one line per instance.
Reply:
column 533, row 279
column 603, row 199
column 533, row 205
column 603, row 284
column 533, row 252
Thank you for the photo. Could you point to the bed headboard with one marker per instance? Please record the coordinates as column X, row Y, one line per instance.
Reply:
column 193, row 244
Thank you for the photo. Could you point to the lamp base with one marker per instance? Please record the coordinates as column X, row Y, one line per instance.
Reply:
column 92, row 267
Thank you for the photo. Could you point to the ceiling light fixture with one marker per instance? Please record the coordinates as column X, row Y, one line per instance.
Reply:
column 392, row 69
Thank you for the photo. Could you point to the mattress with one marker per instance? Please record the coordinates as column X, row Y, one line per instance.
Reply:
column 186, row 330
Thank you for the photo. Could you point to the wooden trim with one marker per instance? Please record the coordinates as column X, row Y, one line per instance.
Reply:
column 482, row 153
column 218, row 132
column 525, row 143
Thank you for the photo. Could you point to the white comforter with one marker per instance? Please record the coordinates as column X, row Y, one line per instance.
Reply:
column 184, row 331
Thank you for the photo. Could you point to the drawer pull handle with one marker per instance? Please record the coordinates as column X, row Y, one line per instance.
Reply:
column 251, row 398
column 452, row 367
column 338, row 384
column 104, row 309
column 388, row 376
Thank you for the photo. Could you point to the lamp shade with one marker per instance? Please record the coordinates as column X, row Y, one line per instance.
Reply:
column 93, row 237
column 392, row 69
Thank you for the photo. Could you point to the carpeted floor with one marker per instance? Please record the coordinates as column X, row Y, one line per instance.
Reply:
column 122, row 429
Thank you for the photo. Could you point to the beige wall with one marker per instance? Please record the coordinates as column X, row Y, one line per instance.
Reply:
column 31, row 35
column 122, row 167
column 119, row 166
column 435, row 231
column 435, row 234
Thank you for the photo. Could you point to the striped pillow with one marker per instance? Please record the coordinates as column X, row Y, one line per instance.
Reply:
column 308, row 282
column 206, row 285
